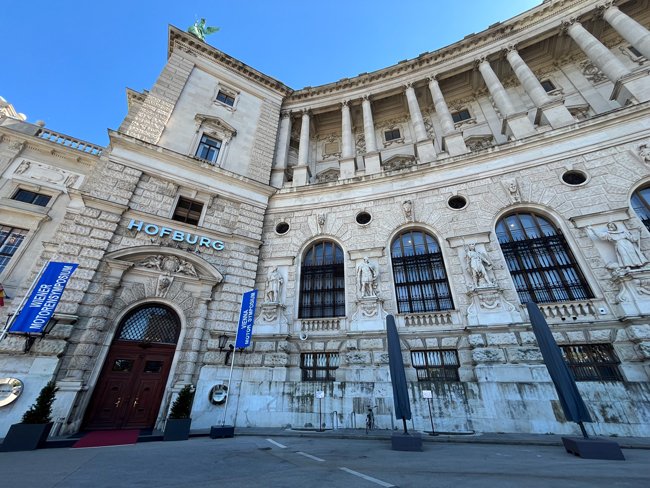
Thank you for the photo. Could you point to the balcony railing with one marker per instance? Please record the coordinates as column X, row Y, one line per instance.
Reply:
column 71, row 142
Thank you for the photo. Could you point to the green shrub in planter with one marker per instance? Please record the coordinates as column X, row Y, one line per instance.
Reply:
column 177, row 427
column 36, row 424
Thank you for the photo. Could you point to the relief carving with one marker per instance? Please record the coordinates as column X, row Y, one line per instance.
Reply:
column 477, row 264
column 591, row 72
column 168, row 265
column 626, row 246
column 367, row 275
column 513, row 190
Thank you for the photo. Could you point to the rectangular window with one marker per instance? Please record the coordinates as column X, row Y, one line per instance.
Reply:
column 440, row 365
column 592, row 362
column 461, row 115
column 208, row 149
column 294, row 143
column 548, row 85
column 31, row 197
column 635, row 51
column 10, row 239
column 225, row 98
column 188, row 211
column 391, row 135
column 319, row 366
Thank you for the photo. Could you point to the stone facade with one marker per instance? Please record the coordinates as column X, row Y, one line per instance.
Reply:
column 449, row 145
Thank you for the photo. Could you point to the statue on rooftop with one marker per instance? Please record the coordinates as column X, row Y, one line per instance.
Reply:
column 200, row 30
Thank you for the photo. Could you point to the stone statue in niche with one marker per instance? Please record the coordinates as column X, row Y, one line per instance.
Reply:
column 367, row 279
column 407, row 207
column 628, row 253
column 274, row 282
column 477, row 265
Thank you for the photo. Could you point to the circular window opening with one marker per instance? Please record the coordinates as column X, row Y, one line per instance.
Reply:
column 574, row 178
column 282, row 228
column 363, row 218
column 457, row 202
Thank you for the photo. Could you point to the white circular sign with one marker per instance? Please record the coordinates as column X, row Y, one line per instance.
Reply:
column 10, row 389
column 427, row 394
column 320, row 394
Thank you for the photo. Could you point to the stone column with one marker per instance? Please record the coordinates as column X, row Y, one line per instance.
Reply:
column 626, row 84
column 424, row 145
column 514, row 123
column 282, row 152
column 553, row 111
column 628, row 28
column 372, row 158
column 346, row 163
column 452, row 139
column 301, row 171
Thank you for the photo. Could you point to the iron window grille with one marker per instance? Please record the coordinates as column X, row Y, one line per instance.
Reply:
column 150, row 324
column 32, row 197
column 225, row 98
column 592, row 362
column 461, row 115
column 322, row 281
column 392, row 135
column 319, row 366
column 208, row 149
column 540, row 262
column 641, row 205
column 188, row 211
column 421, row 283
column 10, row 240
column 440, row 365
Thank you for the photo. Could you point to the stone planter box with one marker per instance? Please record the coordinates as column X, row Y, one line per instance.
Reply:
column 26, row 437
column 177, row 429
column 222, row 431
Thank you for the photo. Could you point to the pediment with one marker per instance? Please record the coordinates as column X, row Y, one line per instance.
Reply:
column 215, row 123
column 398, row 161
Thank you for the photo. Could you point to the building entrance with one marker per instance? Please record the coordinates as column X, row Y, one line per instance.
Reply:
column 132, row 382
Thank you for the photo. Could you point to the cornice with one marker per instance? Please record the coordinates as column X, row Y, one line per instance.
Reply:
column 186, row 42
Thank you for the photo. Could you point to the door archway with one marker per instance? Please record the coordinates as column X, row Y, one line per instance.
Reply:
column 132, row 381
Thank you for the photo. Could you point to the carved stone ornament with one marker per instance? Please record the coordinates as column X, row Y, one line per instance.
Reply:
column 476, row 143
column 398, row 162
column 591, row 72
column 477, row 264
column 163, row 284
column 633, row 292
column 640, row 60
column 489, row 307
column 644, row 152
column 626, row 247
column 360, row 143
column 407, row 208
column 367, row 274
column 331, row 174
column 169, row 265
column 274, row 282
column 45, row 172
column 512, row 188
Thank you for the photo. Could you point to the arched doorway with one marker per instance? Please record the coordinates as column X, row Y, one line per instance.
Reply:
column 132, row 381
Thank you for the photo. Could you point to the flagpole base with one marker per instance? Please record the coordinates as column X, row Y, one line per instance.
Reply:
column 222, row 431
column 593, row 448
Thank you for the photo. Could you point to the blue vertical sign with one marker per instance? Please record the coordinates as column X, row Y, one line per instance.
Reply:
column 246, row 319
column 45, row 296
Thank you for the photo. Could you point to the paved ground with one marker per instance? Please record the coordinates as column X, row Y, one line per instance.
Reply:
column 252, row 461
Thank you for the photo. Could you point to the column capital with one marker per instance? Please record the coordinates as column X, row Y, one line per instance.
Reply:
column 305, row 112
column 345, row 103
column 432, row 77
column 408, row 84
column 480, row 60
column 510, row 48
column 610, row 4
column 367, row 98
column 565, row 24
column 285, row 114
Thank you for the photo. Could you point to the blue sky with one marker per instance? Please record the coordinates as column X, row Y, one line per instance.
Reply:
column 68, row 62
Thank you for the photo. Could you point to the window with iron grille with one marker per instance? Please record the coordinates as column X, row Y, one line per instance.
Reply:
column 188, row 211
column 461, row 115
column 322, row 281
column 391, row 135
column 10, row 240
column 421, row 283
column 150, row 324
column 540, row 262
column 225, row 98
column 31, row 197
column 319, row 366
column 592, row 362
column 208, row 149
column 440, row 365
column 641, row 204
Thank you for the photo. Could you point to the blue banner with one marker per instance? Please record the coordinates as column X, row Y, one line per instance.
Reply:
column 45, row 296
column 246, row 319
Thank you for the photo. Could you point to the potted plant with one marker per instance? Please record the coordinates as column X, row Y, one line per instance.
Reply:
column 177, row 427
column 34, row 428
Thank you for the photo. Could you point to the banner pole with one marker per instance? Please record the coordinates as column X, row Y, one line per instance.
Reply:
column 5, row 332
column 232, row 364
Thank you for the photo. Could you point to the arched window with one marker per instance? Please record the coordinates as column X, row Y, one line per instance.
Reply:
column 540, row 261
column 322, row 281
column 641, row 205
column 419, row 272
column 150, row 324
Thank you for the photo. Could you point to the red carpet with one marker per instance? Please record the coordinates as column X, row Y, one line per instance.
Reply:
column 100, row 438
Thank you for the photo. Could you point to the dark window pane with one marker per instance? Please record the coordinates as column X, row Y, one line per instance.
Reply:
column 188, row 211
column 461, row 115
column 208, row 149
column 31, row 197
column 592, row 362
column 439, row 365
column 123, row 365
column 641, row 205
column 10, row 240
column 319, row 366
column 153, row 366
column 152, row 323
column 322, row 281
column 548, row 85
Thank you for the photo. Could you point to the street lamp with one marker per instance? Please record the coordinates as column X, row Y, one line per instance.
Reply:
column 223, row 339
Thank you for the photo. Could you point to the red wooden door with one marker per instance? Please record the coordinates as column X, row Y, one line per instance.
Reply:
column 130, row 387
